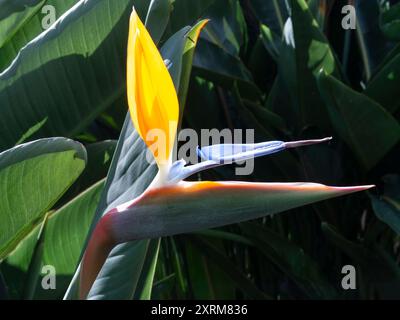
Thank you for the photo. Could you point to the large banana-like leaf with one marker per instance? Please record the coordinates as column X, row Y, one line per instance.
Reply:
column 69, row 73
column 13, row 15
column 33, row 176
column 24, row 30
column 63, row 237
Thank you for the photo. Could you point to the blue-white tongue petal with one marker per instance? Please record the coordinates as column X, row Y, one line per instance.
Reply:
column 221, row 154
column 228, row 153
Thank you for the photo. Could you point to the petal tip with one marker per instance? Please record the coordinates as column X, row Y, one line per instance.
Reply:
column 300, row 143
column 204, row 22
column 133, row 12
column 356, row 188
column 366, row 187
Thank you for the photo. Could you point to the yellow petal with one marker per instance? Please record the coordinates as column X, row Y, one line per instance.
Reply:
column 152, row 98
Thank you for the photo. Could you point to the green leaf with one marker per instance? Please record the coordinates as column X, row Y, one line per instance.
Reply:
column 291, row 259
column 16, row 266
column 186, row 62
column 31, row 131
column 157, row 18
column 129, row 175
column 390, row 22
column 176, row 260
column 14, row 14
column 65, row 74
column 145, row 283
column 63, row 238
column 35, row 264
column 65, row 235
column 30, row 28
column 33, row 176
column 162, row 287
column 174, row 63
column 384, row 86
column 368, row 129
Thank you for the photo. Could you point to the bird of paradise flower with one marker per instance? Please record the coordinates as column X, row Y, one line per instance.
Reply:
column 171, row 205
